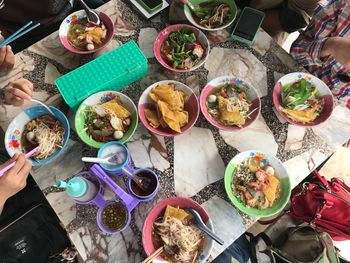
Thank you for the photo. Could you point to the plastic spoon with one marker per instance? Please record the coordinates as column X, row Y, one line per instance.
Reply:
column 44, row 105
column 91, row 15
column 198, row 222
column 114, row 159
column 28, row 155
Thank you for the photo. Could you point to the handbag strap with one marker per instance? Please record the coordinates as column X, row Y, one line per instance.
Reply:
column 321, row 178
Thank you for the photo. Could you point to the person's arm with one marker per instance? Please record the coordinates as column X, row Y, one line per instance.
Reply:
column 14, row 179
column 308, row 46
column 291, row 16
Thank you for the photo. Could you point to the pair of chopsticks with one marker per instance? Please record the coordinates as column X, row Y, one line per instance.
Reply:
column 154, row 255
column 20, row 32
column 28, row 155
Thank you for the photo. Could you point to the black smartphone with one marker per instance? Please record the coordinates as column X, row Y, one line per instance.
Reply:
column 151, row 5
column 248, row 25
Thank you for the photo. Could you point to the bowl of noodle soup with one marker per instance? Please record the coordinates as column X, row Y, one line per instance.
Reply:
column 222, row 16
column 160, row 220
column 36, row 127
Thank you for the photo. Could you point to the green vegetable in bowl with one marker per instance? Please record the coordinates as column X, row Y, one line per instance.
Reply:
column 181, row 49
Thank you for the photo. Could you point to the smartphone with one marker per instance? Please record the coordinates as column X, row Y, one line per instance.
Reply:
column 151, row 6
column 248, row 25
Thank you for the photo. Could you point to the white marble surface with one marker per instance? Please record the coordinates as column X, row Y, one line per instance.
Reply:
column 148, row 150
column 240, row 63
column 67, row 164
column 146, row 41
column 336, row 130
column 196, row 161
column 295, row 138
column 242, row 140
column 301, row 166
column 262, row 42
column 51, row 73
column 64, row 207
column 227, row 222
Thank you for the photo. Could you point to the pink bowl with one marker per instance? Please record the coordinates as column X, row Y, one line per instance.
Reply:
column 321, row 86
column 191, row 105
column 162, row 37
column 63, row 31
column 156, row 211
column 210, row 89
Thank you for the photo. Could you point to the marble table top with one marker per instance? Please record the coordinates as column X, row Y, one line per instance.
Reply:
column 209, row 149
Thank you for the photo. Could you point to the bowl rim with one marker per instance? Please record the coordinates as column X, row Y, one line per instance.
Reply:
column 189, row 17
column 254, row 211
column 164, row 202
column 173, row 28
column 66, row 135
column 276, row 103
column 144, row 95
column 92, row 142
column 206, row 114
column 84, row 52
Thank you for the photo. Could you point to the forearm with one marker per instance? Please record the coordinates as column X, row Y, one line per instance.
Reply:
column 2, row 204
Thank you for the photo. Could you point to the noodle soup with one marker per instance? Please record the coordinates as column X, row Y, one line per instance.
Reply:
column 47, row 133
column 183, row 241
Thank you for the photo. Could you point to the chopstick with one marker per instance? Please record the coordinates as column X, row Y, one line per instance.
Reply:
column 154, row 255
column 28, row 155
column 20, row 32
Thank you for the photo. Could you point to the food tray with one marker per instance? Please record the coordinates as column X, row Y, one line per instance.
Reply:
column 112, row 71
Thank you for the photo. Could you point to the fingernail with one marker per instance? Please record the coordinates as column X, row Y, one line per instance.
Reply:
column 9, row 48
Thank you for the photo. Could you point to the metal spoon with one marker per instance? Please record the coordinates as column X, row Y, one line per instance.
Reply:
column 142, row 182
column 198, row 222
column 91, row 14
column 44, row 105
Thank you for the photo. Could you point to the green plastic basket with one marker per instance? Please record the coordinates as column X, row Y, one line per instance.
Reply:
column 112, row 71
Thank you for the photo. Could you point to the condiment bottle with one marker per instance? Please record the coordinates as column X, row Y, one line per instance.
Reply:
column 79, row 188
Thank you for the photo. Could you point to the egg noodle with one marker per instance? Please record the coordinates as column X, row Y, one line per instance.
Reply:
column 49, row 140
column 174, row 233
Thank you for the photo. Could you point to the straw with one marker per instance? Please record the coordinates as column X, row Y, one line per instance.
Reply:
column 20, row 32
column 28, row 155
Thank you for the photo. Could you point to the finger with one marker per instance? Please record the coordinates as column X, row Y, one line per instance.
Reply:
column 9, row 59
column 13, row 159
column 19, row 164
column 20, row 93
column 2, row 56
column 24, row 172
column 24, row 85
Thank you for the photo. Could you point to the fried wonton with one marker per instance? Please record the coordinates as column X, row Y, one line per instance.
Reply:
column 115, row 108
column 170, row 105
column 232, row 115
column 175, row 212
column 152, row 118
column 168, row 94
column 272, row 192
column 305, row 116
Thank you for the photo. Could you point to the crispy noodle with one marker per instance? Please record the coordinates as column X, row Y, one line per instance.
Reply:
column 188, row 238
column 49, row 140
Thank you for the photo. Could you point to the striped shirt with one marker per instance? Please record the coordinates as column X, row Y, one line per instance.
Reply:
column 331, row 19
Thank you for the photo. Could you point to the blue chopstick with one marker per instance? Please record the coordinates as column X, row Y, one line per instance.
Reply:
column 20, row 32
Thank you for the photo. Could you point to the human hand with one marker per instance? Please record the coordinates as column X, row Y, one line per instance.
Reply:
column 14, row 179
column 18, row 91
column 339, row 49
column 7, row 59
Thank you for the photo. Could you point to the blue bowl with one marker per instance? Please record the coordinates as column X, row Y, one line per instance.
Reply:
column 15, row 129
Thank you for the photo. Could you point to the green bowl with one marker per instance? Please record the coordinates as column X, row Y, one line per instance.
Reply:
column 230, row 3
column 280, row 172
column 94, row 99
